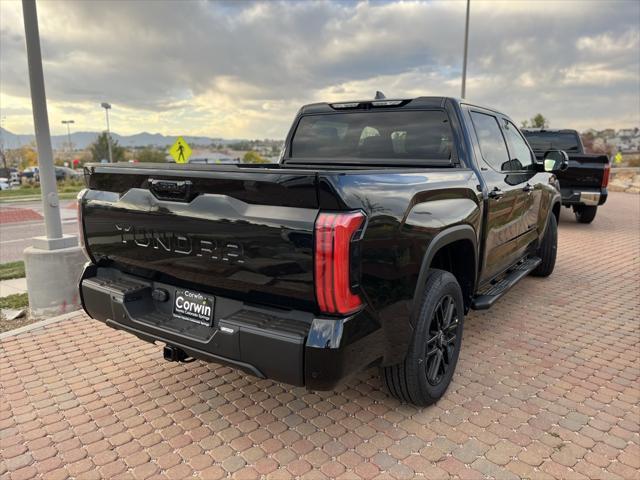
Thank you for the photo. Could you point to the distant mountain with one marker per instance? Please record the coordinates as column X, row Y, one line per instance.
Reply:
column 82, row 140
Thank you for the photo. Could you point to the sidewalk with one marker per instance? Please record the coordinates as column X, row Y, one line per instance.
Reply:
column 13, row 286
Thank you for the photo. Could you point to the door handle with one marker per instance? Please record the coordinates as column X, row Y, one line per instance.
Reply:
column 496, row 193
column 528, row 188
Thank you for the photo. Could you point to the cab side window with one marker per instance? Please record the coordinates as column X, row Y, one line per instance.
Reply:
column 494, row 150
column 521, row 156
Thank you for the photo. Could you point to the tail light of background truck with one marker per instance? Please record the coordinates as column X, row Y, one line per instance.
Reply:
column 605, row 175
column 335, row 239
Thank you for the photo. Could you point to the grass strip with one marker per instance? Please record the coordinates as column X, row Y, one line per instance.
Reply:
column 17, row 300
column 12, row 270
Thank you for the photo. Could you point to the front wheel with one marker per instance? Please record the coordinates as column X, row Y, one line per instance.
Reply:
column 424, row 375
column 585, row 214
column 548, row 249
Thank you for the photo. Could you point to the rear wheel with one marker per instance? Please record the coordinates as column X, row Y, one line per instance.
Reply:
column 548, row 249
column 584, row 214
column 424, row 375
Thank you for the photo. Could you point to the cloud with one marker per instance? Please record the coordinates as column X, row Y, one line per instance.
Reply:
column 239, row 69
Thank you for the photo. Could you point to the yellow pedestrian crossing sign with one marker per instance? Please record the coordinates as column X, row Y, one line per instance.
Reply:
column 180, row 151
column 618, row 158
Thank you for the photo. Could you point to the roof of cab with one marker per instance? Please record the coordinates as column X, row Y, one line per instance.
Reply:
column 418, row 102
column 549, row 130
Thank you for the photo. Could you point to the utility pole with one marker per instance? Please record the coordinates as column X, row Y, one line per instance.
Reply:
column 107, row 107
column 67, row 123
column 466, row 48
column 54, row 263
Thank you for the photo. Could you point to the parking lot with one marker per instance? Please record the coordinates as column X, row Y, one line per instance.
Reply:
column 547, row 386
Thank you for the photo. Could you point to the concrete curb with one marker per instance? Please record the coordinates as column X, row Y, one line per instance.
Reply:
column 37, row 325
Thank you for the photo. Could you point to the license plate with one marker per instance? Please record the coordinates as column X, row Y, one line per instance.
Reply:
column 193, row 307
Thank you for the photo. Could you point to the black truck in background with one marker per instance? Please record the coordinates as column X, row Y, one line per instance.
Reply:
column 383, row 224
column 584, row 183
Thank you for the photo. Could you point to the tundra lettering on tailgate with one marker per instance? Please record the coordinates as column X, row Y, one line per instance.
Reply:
column 183, row 244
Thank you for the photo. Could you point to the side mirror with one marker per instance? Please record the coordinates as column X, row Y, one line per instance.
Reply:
column 556, row 161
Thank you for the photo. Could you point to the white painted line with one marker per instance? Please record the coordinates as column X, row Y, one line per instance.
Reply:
column 16, row 240
column 37, row 325
column 32, row 224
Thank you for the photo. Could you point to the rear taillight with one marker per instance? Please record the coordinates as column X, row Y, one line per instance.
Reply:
column 605, row 175
column 80, row 199
column 334, row 236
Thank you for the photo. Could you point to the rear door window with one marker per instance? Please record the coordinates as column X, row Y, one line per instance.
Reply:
column 420, row 135
column 521, row 156
column 494, row 150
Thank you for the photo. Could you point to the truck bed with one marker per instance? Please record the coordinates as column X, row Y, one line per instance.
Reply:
column 243, row 232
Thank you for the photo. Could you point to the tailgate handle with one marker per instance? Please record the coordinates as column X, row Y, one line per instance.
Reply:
column 177, row 190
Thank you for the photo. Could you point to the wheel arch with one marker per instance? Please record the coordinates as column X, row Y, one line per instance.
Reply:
column 556, row 206
column 464, row 265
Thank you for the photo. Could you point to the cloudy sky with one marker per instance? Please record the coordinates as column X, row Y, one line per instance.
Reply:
column 242, row 69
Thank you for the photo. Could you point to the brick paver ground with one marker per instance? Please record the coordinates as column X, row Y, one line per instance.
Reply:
column 16, row 214
column 547, row 387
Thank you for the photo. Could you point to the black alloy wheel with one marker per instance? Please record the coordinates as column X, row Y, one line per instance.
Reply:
column 443, row 332
column 425, row 373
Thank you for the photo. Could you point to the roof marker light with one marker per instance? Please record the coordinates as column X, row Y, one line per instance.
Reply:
column 345, row 105
column 386, row 103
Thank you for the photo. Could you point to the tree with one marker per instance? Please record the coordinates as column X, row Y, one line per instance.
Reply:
column 253, row 157
column 100, row 149
column 539, row 121
column 23, row 157
column 151, row 155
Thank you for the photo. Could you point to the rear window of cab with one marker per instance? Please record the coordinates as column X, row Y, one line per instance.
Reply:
column 402, row 135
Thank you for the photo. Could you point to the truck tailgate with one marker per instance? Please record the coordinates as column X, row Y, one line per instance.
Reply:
column 239, row 233
column 585, row 171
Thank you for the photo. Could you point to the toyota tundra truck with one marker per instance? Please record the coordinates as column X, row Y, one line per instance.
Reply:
column 382, row 225
column 583, row 184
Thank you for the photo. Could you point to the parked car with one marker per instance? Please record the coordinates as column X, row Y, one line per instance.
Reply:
column 14, row 177
column 584, row 183
column 30, row 173
column 9, row 176
column 66, row 173
column 383, row 224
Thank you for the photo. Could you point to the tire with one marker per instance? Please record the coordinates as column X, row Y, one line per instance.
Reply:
column 585, row 214
column 417, row 380
column 548, row 249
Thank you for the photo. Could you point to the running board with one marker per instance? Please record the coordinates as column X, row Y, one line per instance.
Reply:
column 490, row 294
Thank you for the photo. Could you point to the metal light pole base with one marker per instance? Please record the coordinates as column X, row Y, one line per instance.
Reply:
column 52, row 279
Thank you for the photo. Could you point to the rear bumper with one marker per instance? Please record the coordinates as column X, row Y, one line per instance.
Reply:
column 586, row 196
column 289, row 346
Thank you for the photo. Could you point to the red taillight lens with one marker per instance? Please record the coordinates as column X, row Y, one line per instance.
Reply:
column 605, row 175
column 79, row 199
column 333, row 236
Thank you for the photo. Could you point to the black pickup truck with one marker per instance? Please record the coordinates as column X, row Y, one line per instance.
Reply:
column 384, row 222
column 584, row 183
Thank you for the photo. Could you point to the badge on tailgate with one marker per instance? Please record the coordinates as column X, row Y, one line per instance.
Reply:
column 193, row 307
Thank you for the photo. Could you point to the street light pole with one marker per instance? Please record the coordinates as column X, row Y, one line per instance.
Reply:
column 67, row 123
column 53, row 226
column 107, row 107
column 466, row 48
column 54, row 263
